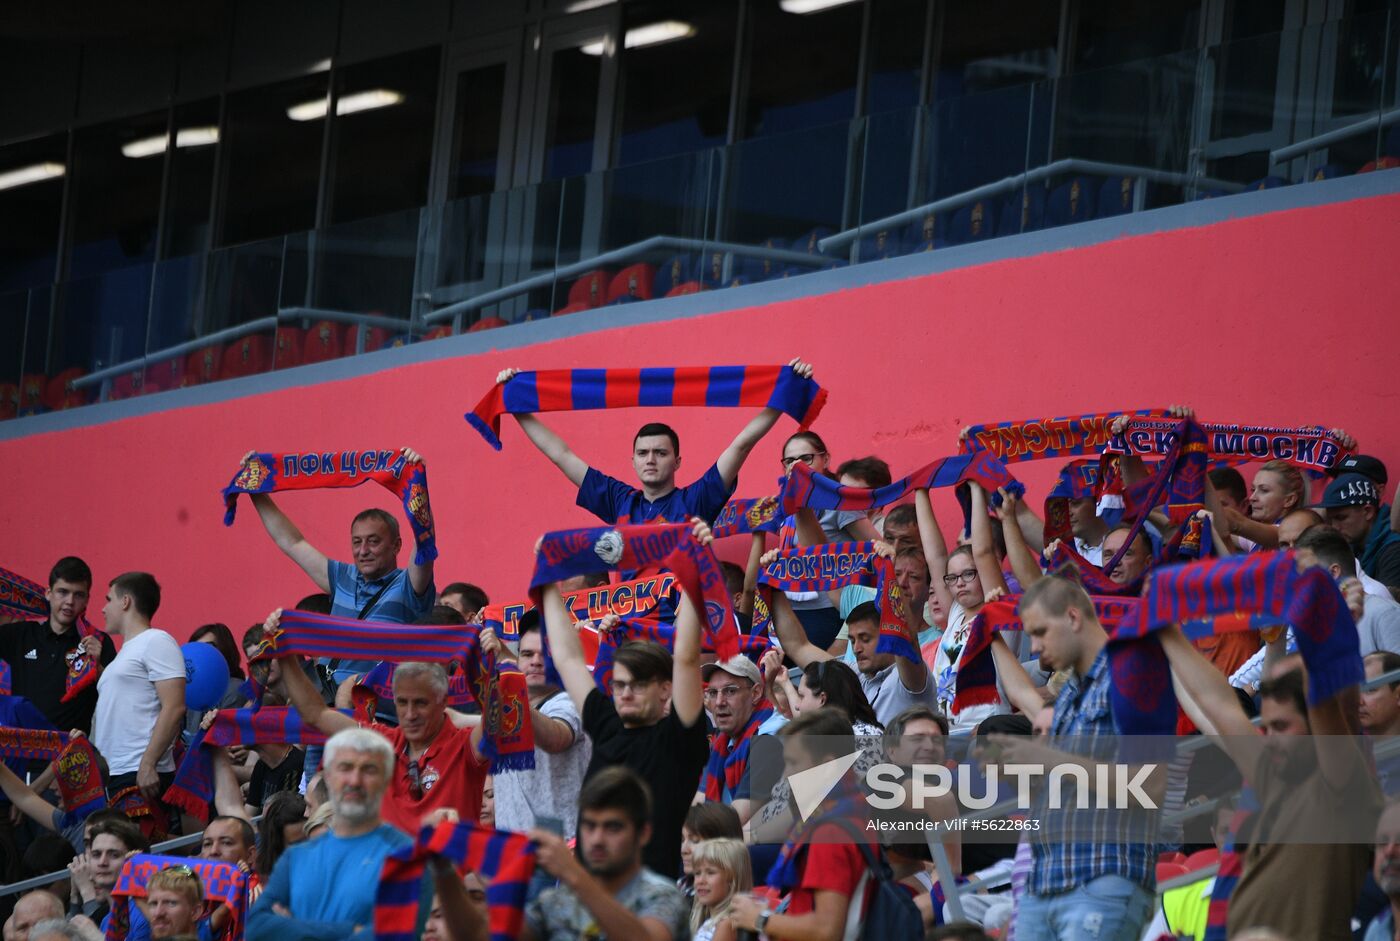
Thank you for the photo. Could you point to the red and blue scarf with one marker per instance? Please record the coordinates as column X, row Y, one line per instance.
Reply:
column 832, row 565
column 567, row 553
column 1230, row 870
column 845, row 802
column 752, row 646
column 193, row 787
column 224, row 885
column 508, row 739
column 803, row 487
column 33, row 744
column 270, row 473
column 576, row 390
column 729, row 758
column 379, row 682
column 741, row 517
column 505, row 862
column 78, row 772
column 636, row 598
column 1037, row 438
column 131, row 802
column 1076, row 482
column 1308, row 447
column 22, row 598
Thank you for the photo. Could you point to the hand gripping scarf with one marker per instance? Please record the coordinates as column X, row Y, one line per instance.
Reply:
column 576, row 390
column 804, row 487
column 270, row 473
column 601, row 549
column 505, row 862
column 741, row 517
column 25, row 599
column 224, row 885
column 193, row 787
column 639, row 629
column 79, row 776
column 1307, row 447
column 507, row 736
column 131, row 802
column 832, row 565
column 635, row 598
column 1076, row 482
column 729, row 759
column 1037, row 438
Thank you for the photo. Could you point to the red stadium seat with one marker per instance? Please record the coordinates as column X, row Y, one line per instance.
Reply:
column 1385, row 163
column 572, row 309
column 58, row 396
column 322, row 342
column 31, row 391
column 127, row 385
column 9, row 400
column 1201, row 859
column 167, row 374
column 288, row 346
column 246, row 357
column 634, row 281
column 202, row 366
column 591, row 290
column 375, row 338
column 487, row 323
column 1167, row 871
column 1172, row 858
column 685, row 287
column 437, row 333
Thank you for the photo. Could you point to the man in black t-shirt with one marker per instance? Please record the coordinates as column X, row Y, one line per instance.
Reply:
column 278, row 769
column 667, row 747
column 39, row 652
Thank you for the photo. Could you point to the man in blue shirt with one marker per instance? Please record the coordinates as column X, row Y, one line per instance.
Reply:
column 656, row 456
column 372, row 587
column 324, row 889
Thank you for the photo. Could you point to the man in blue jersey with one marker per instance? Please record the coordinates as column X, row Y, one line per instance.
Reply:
column 656, row 456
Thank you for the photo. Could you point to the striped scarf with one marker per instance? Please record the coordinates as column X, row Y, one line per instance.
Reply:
column 648, row 631
column 507, row 737
column 193, row 787
column 224, row 885
column 505, row 862
column 1309, row 447
column 635, row 598
column 34, row 744
column 1068, row 563
column 379, row 683
column 27, row 600
column 672, row 546
column 576, row 390
column 1037, row 438
column 1076, row 482
column 803, row 487
column 729, row 757
column 832, row 565
column 1229, row 871
column 267, row 472
column 78, row 772
column 741, row 517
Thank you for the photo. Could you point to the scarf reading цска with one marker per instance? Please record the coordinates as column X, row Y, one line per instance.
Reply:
column 503, row 860
column 631, row 599
column 224, row 884
column 1037, row 438
column 508, row 739
column 576, row 390
column 832, row 565
column 1308, row 447
column 27, row 600
column 272, row 473
column 193, row 787
column 571, row 552
column 803, row 487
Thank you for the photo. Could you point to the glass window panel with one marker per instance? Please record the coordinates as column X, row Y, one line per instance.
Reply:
column 29, row 252
column 476, row 132
column 674, row 94
column 383, row 135
column 1247, row 68
column 573, row 112
column 1365, row 59
column 802, row 68
column 1111, row 32
column 117, row 170
column 897, row 35
column 187, row 196
column 989, row 44
column 273, row 160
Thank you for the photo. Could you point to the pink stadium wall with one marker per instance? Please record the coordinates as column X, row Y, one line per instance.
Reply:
column 1283, row 318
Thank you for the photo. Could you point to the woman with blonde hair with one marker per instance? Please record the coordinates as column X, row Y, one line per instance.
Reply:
column 722, row 869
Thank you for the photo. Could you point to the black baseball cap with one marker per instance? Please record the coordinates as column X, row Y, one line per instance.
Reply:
column 1350, row 490
column 1362, row 464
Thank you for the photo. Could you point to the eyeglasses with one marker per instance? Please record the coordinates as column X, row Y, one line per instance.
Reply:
column 624, row 686
column 415, row 780
column 953, row 578
column 807, row 458
column 726, row 692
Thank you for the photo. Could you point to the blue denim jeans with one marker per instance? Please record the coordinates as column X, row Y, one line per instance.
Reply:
column 1109, row 908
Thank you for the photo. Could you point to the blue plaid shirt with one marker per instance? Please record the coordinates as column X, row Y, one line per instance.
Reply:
column 1084, row 712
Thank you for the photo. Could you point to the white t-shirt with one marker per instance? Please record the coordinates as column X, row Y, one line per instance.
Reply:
column 551, row 790
column 127, row 704
column 1092, row 554
column 889, row 697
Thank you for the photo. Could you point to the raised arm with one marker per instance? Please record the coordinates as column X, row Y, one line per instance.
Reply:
column 465, row 920
column 551, row 735
column 757, row 545
column 549, row 444
column 1016, row 683
column 23, row 796
column 686, row 685
column 228, row 797
column 1024, row 562
column 1214, row 699
column 798, row 648
column 565, row 648
column 935, row 549
column 738, row 451
column 420, row 577
column 303, row 696
column 290, row 540
column 984, row 550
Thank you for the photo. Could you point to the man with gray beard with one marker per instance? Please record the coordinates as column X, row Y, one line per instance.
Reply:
column 325, row 888
column 1386, row 870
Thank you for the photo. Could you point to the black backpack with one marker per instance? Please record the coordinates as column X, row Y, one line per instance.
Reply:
column 891, row 914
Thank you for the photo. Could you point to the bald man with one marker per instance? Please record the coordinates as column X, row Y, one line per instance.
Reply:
column 32, row 908
column 1294, row 524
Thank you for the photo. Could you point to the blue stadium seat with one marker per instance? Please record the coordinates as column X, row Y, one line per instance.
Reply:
column 1023, row 211
column 926, row 233
column 1116, row 196
column 973, row 223
column 1268, row 183
column 534, row 313
column 709, row 269
column 1210, row 194
column 753, row 270
column 1071, row 202
column 807, row 244
column 1328, row 171
column 885, row 243
column 678, row 270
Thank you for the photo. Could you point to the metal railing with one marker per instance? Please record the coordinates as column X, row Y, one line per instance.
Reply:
column 1036, row 175
column 1371, row 124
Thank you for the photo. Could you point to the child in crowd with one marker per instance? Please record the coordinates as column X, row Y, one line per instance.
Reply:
column 721, row 868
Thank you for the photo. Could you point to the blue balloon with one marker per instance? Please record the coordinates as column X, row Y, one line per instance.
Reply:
column 206, row 676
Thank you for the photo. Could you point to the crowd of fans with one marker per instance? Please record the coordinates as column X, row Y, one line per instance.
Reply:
column 636, row 835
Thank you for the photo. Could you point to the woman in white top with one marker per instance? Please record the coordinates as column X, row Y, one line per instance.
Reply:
column 722, row 868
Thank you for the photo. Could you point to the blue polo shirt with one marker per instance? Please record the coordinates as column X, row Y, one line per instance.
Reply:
column 619, row 504
column 351, row 591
